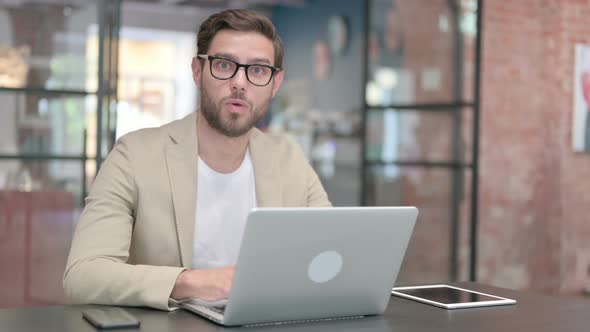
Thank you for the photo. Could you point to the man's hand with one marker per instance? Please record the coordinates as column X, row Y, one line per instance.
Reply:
column 208, row 285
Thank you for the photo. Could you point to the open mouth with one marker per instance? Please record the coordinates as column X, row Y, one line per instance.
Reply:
column 236, row 105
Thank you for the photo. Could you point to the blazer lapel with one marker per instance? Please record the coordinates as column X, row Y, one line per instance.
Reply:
column 182, row 162
column 266, row 171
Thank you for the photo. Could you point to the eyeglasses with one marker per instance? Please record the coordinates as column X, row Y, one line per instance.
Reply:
column 224, row 69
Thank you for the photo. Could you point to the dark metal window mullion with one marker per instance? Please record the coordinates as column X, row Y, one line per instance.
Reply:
column 109, row 20
column 457, row 143
column 475, row 157
column 101, row 8
column 424, row 107
column 364, row 110
column 420, row 163
column 47, row 91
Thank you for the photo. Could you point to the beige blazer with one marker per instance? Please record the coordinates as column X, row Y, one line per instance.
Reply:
column 136, row 232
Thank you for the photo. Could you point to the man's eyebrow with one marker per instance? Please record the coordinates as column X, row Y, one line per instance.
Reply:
column 227, row 56
column 252, row 61
column 261, row 60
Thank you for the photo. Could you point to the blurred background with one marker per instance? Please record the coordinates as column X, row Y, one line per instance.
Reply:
column 471, row 110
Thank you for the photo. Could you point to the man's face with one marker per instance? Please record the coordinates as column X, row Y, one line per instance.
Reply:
column 234, row 106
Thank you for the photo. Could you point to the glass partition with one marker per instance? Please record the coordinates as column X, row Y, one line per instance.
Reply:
column 55, row 57
column 419, row 123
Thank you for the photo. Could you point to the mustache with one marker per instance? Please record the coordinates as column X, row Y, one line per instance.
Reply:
column 237, row 95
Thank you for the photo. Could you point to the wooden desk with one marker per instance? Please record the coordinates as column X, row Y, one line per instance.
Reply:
column 533, row 312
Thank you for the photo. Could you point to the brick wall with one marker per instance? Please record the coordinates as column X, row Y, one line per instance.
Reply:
column 535, row 192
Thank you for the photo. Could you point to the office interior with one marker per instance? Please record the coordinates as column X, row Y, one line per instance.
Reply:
column 472, row 110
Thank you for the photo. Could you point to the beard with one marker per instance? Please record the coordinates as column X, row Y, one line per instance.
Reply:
column 235, row 125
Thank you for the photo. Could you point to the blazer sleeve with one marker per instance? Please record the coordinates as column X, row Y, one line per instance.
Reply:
column 97, row 270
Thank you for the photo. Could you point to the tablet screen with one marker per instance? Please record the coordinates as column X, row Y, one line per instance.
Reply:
column 447, row 295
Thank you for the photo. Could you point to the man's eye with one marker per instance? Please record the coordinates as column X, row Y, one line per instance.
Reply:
column 258, row 70
column 224, row 64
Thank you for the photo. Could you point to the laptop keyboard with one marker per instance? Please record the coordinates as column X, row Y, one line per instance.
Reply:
column 219, row 310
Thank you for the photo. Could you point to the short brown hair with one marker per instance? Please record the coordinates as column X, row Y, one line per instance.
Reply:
column 240, row 20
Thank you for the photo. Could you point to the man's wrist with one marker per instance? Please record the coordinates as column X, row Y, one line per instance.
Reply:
column 179, row 291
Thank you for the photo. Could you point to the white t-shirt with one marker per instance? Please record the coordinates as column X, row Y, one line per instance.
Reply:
column 223, row 204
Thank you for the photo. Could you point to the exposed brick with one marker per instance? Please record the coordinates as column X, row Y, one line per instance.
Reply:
column 534, row 230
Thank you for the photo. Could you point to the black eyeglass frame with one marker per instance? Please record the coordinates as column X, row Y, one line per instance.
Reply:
column 273, row 69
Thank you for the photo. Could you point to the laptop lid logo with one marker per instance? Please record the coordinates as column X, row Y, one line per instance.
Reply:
column 325, row 266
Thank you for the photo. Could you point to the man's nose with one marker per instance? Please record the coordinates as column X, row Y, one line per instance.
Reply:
column 239, row 81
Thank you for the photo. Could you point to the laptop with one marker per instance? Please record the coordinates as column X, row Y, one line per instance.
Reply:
column 307, row 264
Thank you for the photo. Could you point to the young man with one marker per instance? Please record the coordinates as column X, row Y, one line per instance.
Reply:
column 168, row 208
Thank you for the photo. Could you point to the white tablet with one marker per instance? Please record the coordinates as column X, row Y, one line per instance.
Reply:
column 450, row 297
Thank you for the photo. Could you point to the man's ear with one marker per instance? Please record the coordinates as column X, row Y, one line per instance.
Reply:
column 197, row 71
column 277, row 81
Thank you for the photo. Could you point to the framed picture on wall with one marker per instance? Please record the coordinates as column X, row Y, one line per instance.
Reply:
column 338, row 34
column 322, row 61
column 581, row 111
